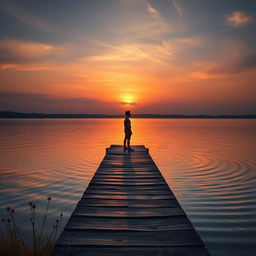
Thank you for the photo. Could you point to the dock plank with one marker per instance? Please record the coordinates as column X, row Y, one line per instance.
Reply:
column 132, row 251
column 128, row 183
column 128, row 202
column 131, row 197
column 128, row 209
column 128, row 188
column 139, row 224
column 128, row 212
column 131, row 238
column 130, row 193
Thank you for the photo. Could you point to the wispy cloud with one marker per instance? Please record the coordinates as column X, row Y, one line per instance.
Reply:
column 152, row 10
column 44, row 98
column 25, row 17
column 177, row 7
column 127, row 103
column 171, row 47
column 161, row 52
column 159, row 26
column 28, row 67
column 239, row 19
column 242, row 62
column 123, row 52
column 14, row 52
column 39, row 102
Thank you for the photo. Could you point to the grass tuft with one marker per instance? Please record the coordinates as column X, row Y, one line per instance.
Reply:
column 14, row 242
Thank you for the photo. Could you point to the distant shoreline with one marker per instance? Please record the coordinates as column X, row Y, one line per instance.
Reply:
column 9, row 114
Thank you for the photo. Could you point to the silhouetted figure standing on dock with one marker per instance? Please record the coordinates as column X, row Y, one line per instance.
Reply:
column 127, row 131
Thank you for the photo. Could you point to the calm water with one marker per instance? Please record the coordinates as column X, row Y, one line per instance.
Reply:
column 209, row 164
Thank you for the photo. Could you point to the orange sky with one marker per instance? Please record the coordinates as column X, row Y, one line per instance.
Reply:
column 149, row 56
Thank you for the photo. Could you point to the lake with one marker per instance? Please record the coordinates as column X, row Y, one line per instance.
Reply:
column 210, row 165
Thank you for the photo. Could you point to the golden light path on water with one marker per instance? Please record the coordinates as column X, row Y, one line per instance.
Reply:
column 210, row 165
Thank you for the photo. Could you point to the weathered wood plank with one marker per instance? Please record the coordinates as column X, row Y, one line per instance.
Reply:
column 127, row 188
column 128, row 172
column 117, row 149
column 111, row 193
column 121, row 152
column 130, row 157
column 130, row 197
column 128, row 212
column 128, row 176
column 140, row 170
column 124, row 179
column 139, row 224
column 130, row 238
column 129, row 202
column 127, row 183
column 131, row 251
column 142, row 165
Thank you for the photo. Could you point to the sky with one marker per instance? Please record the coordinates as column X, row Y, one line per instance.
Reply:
column 147, row 56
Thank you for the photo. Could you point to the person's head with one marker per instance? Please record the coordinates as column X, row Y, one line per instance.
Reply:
column 128, row 113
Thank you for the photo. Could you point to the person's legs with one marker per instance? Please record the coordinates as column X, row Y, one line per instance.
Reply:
column 128, row 141
column 125, row 142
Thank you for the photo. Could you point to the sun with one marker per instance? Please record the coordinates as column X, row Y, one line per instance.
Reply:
column 128, row 99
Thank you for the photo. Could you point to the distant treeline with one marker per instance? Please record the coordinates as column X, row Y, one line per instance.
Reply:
column 10, row 114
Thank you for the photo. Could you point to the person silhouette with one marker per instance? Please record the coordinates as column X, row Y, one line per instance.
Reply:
column 127, row 131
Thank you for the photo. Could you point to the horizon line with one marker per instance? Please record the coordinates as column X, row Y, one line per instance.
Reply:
column 14, row 114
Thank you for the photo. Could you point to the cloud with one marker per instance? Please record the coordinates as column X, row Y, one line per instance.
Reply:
column 158, row 27
column 240, row 63
column 152, row 9
column 28, row 67
column 43, row 98
column 171, row 47
column 127, row 103
column 158, row 52
column 177, row 7
column 126, row 52
column 20, row 14
column 36, row 102
column 207, row 75
column 15, row 52
column 239, row 19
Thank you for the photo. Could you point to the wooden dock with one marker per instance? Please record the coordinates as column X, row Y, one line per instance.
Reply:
column 128, row 209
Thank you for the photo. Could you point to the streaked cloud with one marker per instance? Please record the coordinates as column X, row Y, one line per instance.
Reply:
column 31, row 56
column 177, row 7
column 158, row 52
column 44, row 98
column 243, row 61
column 152, row 9
column 24, row 16
column 159, row 26
column 239, row 19
column 24, row 101
column 28, row 67
column 29, row 49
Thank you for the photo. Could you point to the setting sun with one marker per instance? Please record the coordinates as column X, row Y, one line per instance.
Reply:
column 128, row 101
